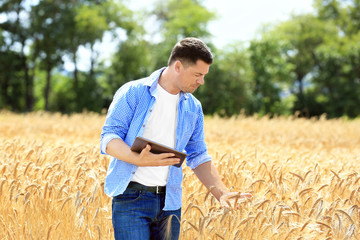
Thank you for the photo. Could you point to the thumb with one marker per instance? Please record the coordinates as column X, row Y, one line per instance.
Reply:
column 145, row 150
column 148, row 147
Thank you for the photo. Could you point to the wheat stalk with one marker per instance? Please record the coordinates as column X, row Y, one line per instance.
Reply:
column 287, row 183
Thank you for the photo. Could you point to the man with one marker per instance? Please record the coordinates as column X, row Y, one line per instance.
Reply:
column 145, row 187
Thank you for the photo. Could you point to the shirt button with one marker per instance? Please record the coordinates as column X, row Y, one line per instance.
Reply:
column 150, row 110
column 143, row 125
column 133, row 172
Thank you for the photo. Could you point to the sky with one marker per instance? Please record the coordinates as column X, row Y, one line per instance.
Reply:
column 238, row 20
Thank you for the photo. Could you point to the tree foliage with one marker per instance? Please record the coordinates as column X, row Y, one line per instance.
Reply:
column 309, row 64
column 178, row 19
column 228, row 83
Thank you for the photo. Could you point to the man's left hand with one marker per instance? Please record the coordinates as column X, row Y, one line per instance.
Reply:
column 234, row 199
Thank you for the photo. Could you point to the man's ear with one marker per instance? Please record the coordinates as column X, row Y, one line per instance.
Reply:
column 177, row 66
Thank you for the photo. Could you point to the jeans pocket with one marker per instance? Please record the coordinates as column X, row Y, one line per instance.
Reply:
column 129, row 196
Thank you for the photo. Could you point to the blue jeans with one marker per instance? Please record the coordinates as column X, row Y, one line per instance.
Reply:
column 138, row 215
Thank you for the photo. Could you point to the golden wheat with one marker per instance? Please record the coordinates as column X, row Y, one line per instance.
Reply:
column 303, row 175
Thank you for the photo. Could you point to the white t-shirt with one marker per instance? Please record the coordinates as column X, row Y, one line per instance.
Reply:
column 161, row 128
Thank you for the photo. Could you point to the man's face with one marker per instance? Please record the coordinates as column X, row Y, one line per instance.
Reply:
column 190, row 77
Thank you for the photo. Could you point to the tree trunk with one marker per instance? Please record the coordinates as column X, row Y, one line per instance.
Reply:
column 76, row 77
column 301, row 92
column 76, row 83
column 94, row 55
column 4, row 91
column 47, row 87
column 29, row 84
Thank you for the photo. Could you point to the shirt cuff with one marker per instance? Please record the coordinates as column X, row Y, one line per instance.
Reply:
column 105, row 140
column 199, row 160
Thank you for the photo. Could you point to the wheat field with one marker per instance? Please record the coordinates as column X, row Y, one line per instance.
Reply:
column 304, row 176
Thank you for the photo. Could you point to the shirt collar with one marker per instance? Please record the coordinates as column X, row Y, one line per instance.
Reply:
column 153, row 79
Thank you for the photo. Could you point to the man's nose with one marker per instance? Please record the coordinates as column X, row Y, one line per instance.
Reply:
column 201, row 80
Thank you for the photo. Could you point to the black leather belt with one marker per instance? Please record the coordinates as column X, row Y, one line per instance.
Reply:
column 138, row 186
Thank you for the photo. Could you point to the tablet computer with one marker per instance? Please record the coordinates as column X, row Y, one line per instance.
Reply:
column 140, row 143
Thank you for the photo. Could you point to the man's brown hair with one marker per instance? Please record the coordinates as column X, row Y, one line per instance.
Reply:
column 189, row 50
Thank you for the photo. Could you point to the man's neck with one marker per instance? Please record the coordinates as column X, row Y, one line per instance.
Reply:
column 166, row 81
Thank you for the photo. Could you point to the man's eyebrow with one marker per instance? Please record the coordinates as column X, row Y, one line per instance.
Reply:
column 199, row 73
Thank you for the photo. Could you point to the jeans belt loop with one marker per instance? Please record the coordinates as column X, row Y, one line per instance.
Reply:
column 157, row 190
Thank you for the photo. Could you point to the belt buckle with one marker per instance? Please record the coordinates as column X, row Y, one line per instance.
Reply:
column 157, row 190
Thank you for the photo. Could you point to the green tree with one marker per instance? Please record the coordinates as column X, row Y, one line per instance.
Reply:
column 131, row 61
column 337, row 78
column 18, row 34
column 91, row 21
column 227, row 88
column 11, row 80
column 49, row 26
column 303, row 34
column 272, row 74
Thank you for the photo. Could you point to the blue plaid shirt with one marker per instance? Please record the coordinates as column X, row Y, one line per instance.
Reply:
column 127, row 118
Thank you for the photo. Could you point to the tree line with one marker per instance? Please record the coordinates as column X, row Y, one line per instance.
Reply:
column 308, row 65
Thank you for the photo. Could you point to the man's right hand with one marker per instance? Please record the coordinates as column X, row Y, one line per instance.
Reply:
column 147, row 158
column 120, row 150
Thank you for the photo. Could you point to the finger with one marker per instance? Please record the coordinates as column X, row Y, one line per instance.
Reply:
column 225, row 204
column 166, row 155
column 170, row 161
column 246, row 195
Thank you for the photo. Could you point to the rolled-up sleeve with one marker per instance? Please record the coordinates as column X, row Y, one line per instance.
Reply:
column 118, row 117
column 105, row 140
